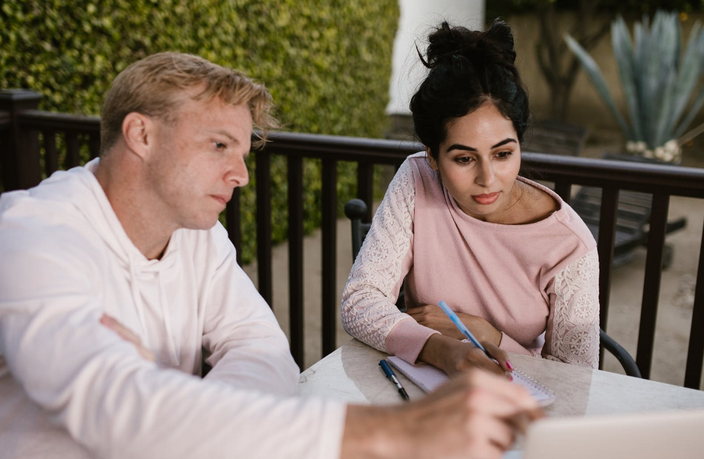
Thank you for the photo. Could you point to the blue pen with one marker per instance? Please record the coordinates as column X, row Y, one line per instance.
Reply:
column 389, row 373
column 465, row 331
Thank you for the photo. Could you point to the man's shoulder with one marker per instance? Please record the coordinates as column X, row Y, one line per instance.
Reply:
column 45, row 218
column 211, row 246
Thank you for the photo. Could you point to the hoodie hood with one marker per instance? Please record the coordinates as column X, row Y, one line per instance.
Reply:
column 80, row 189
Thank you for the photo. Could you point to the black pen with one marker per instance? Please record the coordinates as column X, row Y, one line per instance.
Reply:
column 389, row 373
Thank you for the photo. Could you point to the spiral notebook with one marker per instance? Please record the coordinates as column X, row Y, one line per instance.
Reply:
column 427, row 377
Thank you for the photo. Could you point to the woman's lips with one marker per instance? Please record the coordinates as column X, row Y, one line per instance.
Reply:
column 486, row 199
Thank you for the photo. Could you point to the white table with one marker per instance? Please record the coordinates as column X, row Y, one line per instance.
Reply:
column 352, row 374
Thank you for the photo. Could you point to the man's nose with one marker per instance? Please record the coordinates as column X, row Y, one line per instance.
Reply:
column 238, row 175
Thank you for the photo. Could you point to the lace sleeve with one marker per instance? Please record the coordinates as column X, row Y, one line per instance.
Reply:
column 575, row 329
column 368, row 300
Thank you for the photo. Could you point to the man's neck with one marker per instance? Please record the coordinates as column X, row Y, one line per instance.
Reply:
column 133, row 209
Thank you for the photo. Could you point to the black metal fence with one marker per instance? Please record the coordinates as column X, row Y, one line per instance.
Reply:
column 26, row 132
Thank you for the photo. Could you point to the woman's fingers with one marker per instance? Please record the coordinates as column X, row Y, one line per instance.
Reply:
column 499, row 355
column 476, row 358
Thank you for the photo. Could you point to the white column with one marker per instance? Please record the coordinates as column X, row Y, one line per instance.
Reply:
column 417, row 19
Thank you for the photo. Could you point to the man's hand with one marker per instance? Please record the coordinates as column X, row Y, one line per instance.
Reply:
column 128, row 335
column 474, row 415
column 433, row 317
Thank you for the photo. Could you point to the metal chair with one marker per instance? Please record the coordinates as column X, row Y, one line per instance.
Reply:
column 356, row 209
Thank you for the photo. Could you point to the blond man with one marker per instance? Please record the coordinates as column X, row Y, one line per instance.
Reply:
column 115, row 275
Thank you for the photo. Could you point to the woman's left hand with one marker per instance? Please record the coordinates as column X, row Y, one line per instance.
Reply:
column 433, row 317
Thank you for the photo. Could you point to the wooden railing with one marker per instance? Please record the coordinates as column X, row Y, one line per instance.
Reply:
column 25, row 132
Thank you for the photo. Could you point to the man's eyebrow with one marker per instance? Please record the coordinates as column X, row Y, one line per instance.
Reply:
column 458, row 146
column 225, row 134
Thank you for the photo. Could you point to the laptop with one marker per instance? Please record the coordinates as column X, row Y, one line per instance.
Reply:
column 672, row 434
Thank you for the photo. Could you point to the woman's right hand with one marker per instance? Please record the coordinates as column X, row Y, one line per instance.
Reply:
column 453, row 356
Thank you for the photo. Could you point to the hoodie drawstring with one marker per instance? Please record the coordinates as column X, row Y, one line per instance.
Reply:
column 137, row 299
column 167, row 322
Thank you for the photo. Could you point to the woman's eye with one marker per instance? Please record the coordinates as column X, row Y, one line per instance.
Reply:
column 463, row 159
column 504, row 154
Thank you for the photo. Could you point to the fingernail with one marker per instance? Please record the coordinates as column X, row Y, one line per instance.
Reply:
column 508, row 364
column 510, row 378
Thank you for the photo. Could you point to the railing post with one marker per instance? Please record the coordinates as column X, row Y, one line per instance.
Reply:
column 19, row 153
column 605, row 247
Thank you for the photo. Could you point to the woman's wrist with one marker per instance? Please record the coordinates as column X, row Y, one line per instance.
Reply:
column 482, row 329
column 437, row 352
column 496, row 336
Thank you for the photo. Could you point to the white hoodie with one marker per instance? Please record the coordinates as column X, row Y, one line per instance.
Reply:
column 71, row 388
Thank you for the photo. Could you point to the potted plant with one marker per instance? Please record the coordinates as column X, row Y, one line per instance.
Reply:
column 658, row 77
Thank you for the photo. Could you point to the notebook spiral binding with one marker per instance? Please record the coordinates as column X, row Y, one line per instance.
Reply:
column 529, row 380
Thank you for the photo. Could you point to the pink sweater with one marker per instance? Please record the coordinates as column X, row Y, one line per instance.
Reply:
column 537, row 283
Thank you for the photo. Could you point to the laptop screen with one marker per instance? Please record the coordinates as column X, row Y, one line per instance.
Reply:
column 673, row 434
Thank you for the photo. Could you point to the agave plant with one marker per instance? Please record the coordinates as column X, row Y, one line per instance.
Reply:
column 658, row 78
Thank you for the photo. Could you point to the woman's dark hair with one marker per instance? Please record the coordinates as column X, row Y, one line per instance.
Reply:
column 467, row 69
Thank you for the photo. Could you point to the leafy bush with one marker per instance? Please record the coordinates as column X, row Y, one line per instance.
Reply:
column 327, row 63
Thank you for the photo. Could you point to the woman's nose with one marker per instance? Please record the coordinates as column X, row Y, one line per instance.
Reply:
column 485, row 176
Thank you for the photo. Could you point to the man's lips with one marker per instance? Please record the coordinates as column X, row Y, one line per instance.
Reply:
column 486, row 199
column 222, row 199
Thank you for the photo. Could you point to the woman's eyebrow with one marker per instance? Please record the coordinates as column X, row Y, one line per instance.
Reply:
column 459, row 146
column 504, row 142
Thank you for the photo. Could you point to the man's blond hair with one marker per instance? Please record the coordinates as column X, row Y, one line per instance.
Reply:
column 154, row 87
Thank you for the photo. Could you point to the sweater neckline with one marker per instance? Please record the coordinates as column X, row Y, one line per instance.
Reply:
column 547, row 221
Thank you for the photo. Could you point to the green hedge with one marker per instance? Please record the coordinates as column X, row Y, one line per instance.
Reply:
column 327, row 63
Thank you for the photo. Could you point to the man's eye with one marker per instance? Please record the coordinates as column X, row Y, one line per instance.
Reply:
column 220, row 145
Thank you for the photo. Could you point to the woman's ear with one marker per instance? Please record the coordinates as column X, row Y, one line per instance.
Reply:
column 431, row 160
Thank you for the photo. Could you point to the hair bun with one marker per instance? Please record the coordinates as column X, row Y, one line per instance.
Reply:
column 500, row 34
column 445, row 42
column 450, row 43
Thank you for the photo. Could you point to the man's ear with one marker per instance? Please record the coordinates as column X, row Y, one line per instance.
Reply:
column 431, row 160
column 138, row 133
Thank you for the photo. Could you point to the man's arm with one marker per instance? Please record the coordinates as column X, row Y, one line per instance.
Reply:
column 95, row 385
column 248, row 348
column 475, row 415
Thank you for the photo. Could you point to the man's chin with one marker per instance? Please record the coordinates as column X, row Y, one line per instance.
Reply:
column 201, row 225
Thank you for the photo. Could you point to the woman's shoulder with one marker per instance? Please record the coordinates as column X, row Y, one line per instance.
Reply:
column 417, row 161
column 414, row 168
column 537, row 202
column 547, row 205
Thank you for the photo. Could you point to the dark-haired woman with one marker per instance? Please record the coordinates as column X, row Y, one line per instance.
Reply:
column 514, row 261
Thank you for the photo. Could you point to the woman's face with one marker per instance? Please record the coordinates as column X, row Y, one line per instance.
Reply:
column 479, row 162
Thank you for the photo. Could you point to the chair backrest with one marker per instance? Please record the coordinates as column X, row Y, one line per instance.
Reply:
column 356, row 209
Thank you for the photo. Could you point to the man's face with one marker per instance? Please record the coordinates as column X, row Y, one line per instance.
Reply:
column 198, row 160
